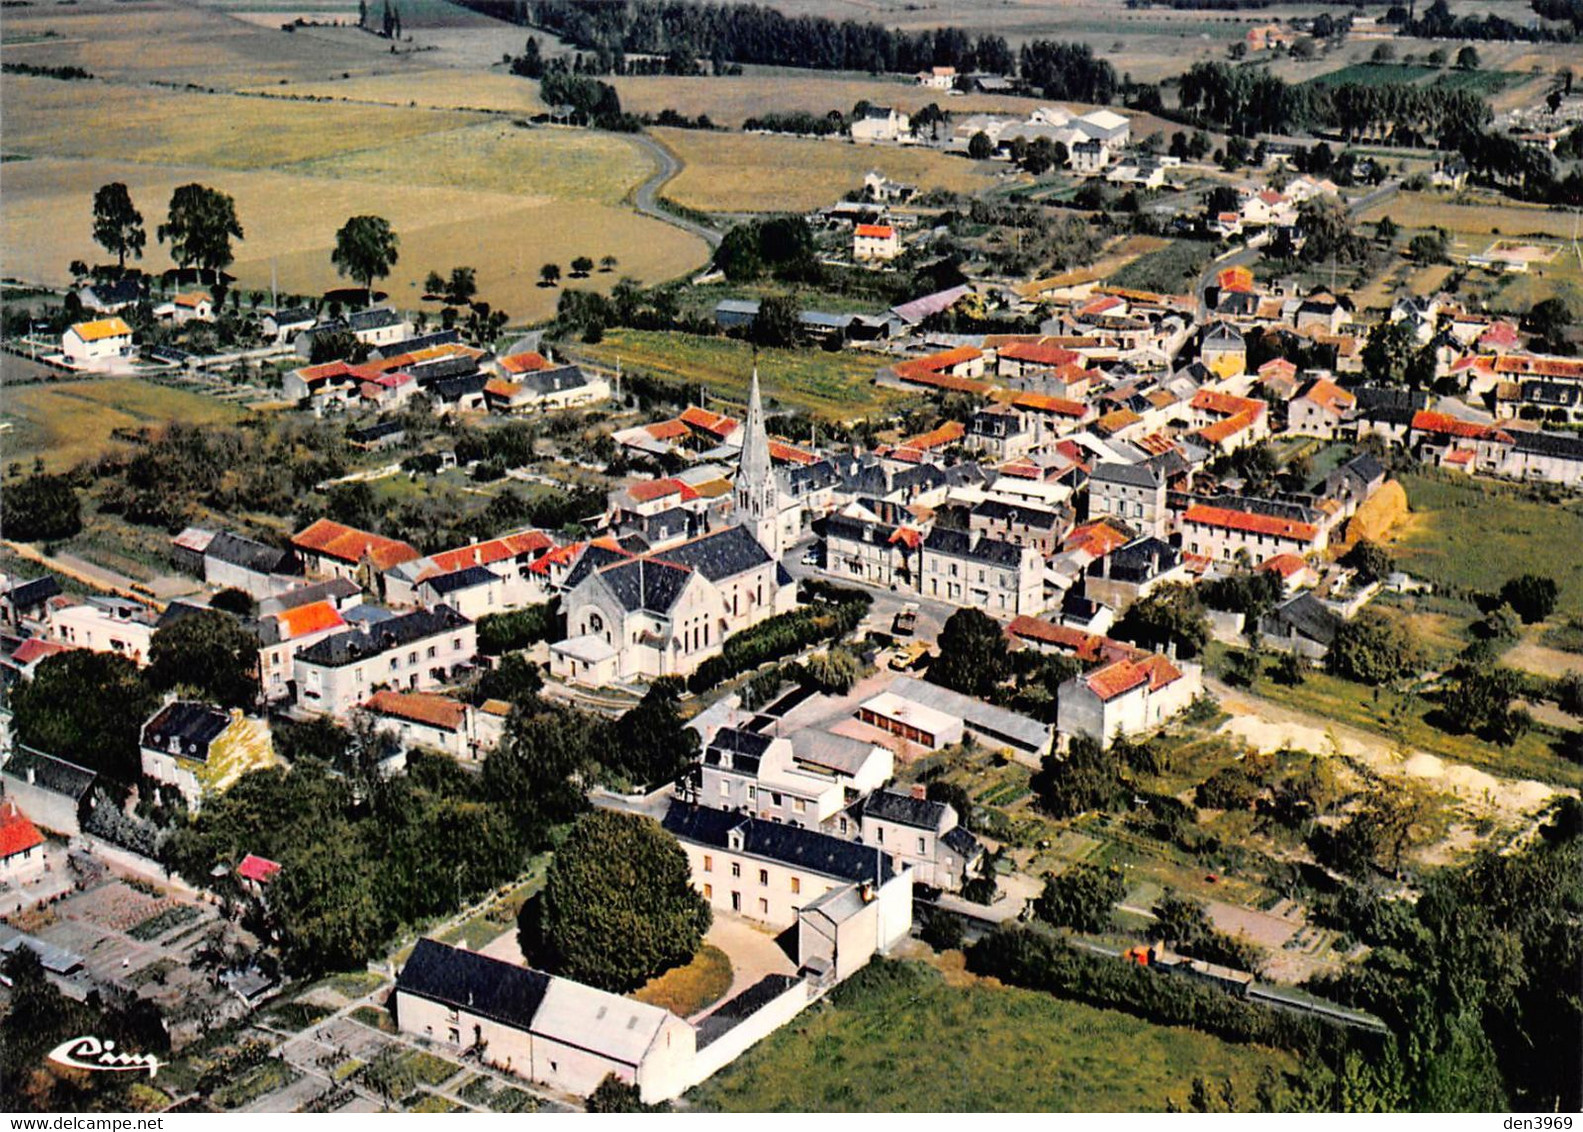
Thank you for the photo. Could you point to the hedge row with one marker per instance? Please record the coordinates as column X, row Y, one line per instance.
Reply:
column 784, row 635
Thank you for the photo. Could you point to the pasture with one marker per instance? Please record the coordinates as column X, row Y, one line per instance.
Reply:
column 837, row 386
column 440, row 88
column 988, row 1049
column 1473, row 218
column 67, row 422
column 772, row 173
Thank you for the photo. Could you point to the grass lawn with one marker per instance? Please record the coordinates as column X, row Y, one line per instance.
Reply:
column 474, row 934
column 686, row 990
column 1402, row 717
column 839, row 385
column 899, row 1038
column 1476, row 535
column 70, row 421
column 375, row 1017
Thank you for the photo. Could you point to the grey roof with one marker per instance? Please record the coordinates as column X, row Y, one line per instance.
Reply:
column 829, row 750
column 852, row 529
column 904, row 809
column 394, row 632
column 737, row 749
column 375, row 318
column 191, row 727
column 1560, row 445
column 49, row 773
column 961, row 842
column 465, row 578
column 34, row 591
column 643, row 583
column 748, row 307
column 723, row 554
column 55, row 960
column 331, row 590
column 293, row 316
column 1305, row 614
column 455, row 388
column 119, row 293
column 786, row 844
column 244, row 552
column 379, row 430
column 418, row 342
column 986, row 719
column 593, row 558
column 962, row 544
column 1022, row 514
column 544, row 382
column 726, row 1017
column 490, row 988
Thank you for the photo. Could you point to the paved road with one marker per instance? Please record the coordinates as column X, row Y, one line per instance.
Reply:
column 1244, row 256
column 644, row 199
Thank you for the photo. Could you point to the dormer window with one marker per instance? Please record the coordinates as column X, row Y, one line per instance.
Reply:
column 734, row 839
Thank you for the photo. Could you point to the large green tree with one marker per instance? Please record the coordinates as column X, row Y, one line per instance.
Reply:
column 537, row 770
column 653, row 743
column 210, row 654
column 88, row 708
column 1171, row 615
column 117, row 224
column 1533, row 596
column 39, row 508
column 974, row 656
column 619, row 906
column 1087, row 778
column 1373, row 648
column 200, row 227
column 1082, row 898
column 366, row 248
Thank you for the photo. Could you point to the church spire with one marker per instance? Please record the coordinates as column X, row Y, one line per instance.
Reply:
column 755, row 466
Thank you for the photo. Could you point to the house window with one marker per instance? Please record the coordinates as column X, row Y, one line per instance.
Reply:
column 921, row 849
column 412, row 657
column 709, row 863
column 456, row 644
column 799, row 806
column 764, row 876
column 395, row 663
column 753, row 793
column 843, row 825
column 775, row 797
column 796, row 885
column 433, row 652
column 736, row 868
column 709, row 891
column 725, row 787
column 764, row 907
column 879, row 835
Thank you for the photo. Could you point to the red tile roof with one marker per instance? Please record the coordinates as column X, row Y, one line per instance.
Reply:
column 348, row 544
column 947, row 433
column 1329, row 396
column 1225, row 404
column 419, row 707
column 17, row 834
column 1444, row 424
column 495, row 550
column 713, row 423
column 1116, row 679
column 315, row 617
column 1286, row 565
column 258, row 869
column 1044, row 403
column 666, row 430
column 1250, row 523
column 1039, row 353
column 1540, row 366
column 1098, row 538
column 526, row 362
column 783, row 453
column 1238, row 279
column 36, row 648
column 500, row 387
column 1225, row 429
column 874, row 231
column 650, row 490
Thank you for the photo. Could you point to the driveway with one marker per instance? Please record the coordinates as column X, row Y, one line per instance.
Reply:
column 753, row 951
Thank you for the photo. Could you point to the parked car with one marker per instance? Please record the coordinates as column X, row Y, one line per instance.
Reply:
column 906, row 622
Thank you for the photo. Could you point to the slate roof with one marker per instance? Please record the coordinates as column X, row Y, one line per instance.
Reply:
column 726, row 1017
column 961, row 842
column 961, row 544
column 546, row 381
column 1129, row 475
column 374, row 319
column 742, row 749
column 192, row 727
column 244, row 552
column 379, row 430
column 293, row 316
column 1026, row 515
column 463, row 579
column 723, row 554
column 1556, row 444
column 49, row 773
column 455, row 388
column 394, row 632
column 502, row 992
column 594, row 557
column 904, row 809
column 786, row 844
column 644, row 583
column 418, row 342
column 34, row 591
column 1307, row 615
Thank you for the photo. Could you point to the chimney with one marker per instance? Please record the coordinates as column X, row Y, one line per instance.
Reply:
column 920, row 792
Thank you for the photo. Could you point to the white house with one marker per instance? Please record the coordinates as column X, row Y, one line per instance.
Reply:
column 99, row 340
column 880, row 123
column 1126, row 697
column 439, row 723
column 105, row 624
column 201, row 750
column 875, row 242
column 416, row 651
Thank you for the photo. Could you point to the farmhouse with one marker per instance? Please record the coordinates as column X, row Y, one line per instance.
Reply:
column 872, row 242
column 1126, row 697
column 85, row 343
column 880, row 123
column 439, row 723
column 1221, row 533
column 333, row 550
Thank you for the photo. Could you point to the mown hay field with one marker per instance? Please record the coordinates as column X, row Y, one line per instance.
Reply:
column 186, row 43
column 66, row 422
column 768, row 173
column 838, row 385
column 1428, row 210
column 441, row 88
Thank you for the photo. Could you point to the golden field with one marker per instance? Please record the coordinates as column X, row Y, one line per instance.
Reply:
column 67, row 422
column 1510, row 218
column 444, row 89
column 768, row 173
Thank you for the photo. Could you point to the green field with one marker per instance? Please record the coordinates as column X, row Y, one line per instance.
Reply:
column 1473, row 534
column 1383, row 74
column 899, row 1038
column 68, row 422
column 1173, row 269
column 839, row 385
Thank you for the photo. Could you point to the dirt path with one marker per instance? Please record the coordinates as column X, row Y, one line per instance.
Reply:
column 1269, row 726
column 1542, row 660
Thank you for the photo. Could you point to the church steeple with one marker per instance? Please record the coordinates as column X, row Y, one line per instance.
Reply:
column 757, row 494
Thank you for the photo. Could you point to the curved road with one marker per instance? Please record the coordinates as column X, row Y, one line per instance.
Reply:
column 644, row 198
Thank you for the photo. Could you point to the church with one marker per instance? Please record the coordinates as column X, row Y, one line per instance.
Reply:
column 635, row 617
